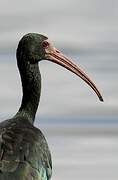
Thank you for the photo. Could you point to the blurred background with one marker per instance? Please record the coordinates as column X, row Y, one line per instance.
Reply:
column 82, row 132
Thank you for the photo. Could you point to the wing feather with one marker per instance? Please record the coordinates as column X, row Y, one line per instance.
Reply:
column 24, row 150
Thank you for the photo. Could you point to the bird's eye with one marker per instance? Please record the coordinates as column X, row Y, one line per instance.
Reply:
column 45, row 44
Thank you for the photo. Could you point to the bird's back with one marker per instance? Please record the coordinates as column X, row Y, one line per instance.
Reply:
column 24, row 153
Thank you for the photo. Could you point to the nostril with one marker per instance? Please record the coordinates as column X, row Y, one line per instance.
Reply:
column 57, row 51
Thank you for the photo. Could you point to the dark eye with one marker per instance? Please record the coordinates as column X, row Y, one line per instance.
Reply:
column 45, row 44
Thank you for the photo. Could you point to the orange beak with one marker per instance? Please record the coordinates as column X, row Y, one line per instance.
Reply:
column 53, row 55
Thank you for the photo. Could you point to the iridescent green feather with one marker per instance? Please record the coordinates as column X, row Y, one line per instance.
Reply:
column 24, row 158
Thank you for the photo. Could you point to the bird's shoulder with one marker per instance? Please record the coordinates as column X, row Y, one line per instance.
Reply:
column 21, row 142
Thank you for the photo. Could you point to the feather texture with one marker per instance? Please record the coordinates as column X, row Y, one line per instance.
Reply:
column 24, row 153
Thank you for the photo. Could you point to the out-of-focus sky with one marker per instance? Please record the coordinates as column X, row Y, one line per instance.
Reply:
column 84, row 30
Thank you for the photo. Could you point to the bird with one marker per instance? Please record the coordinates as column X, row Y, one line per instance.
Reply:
column 24, row 151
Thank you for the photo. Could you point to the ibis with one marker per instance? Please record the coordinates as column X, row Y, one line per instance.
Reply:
column 24, row 152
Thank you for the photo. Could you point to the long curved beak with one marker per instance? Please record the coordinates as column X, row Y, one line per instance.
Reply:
column 52, row 54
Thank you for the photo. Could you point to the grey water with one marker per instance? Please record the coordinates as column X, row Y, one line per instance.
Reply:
column 82, row 132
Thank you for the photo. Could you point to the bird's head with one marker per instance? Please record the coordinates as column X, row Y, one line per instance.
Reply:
column 35, row 47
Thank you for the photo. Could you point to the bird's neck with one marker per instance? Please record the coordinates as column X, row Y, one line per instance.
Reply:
column 31, row 87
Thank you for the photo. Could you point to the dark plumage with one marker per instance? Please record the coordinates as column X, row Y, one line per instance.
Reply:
column 24, row 153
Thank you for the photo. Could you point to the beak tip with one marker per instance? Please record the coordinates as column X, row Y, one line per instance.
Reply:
column 101, row 99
